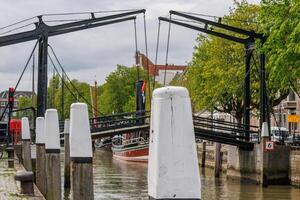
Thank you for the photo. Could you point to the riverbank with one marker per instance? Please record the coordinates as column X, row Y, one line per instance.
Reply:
column 293, row 165
column 9, row 188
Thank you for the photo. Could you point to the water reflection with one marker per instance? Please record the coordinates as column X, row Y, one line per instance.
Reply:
column 115, row 179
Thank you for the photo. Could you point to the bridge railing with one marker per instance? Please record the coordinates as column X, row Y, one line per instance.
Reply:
column 225, row 128
column 98, row 124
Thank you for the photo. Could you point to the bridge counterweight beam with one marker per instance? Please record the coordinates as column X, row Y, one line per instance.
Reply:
column 42, row 77
column 247, row 96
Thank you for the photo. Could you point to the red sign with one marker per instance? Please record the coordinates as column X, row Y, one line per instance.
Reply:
column 269, row 146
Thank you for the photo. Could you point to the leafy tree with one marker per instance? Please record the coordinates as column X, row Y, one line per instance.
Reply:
column 216, row 74
column 279, row 21
column 55, row 94
column 25, row 102
column 117, row 95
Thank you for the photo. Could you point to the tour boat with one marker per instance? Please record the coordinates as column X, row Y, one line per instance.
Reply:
column 134, row 149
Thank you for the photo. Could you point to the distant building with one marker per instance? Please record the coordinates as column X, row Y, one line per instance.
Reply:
column 17, row 95
column 291, row 105
column 159, row 71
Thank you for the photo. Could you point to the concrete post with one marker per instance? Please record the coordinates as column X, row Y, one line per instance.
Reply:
column 52, row 147
column 173, row 164
column 264, row 156
column 218, row 161
column 81, row 153
column 67, row 153
column 41, row 180
column 26, row 148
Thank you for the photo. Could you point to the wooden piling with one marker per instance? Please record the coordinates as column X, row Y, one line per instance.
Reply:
column 41, row 180
column 26, row 154
column 53, row 173
column 203, row 154
column 26, row 144
column 67, row 154
column 18, row 152
column 218, row 162
column 10, row 156
column 82, row 179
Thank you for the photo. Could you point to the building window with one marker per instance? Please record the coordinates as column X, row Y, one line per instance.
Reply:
column 3, row 103
column 292, row 96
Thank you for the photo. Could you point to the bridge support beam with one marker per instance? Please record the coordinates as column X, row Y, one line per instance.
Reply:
column 42, row 76
column 173, row 159
column 274, row 163
column 247, row 96
column 243, row 165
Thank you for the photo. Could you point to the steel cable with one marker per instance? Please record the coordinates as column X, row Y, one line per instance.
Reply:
column 167, row 52
column 156, row 53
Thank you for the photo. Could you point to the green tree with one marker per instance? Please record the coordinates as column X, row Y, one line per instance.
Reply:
column 216, row 74
column 25, row 102
column 279, row 21
column 117, row 95
column 80, row 94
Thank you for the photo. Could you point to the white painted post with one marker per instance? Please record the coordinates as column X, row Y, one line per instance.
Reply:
column 40, row 155
column 173, row 171
column 81, row 153
column 52, row 147
column 26, row 144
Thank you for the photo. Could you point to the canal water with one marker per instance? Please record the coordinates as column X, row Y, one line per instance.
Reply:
column 115, row 179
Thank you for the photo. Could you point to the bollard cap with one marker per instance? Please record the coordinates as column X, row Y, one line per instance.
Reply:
column 264, row 130
column 67, row 126
column 25, row 129
column 52, row 129
column 80, row 134
column 40, row 131
column 170, row 91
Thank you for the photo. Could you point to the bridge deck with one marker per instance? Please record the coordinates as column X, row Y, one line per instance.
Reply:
column 118, row 131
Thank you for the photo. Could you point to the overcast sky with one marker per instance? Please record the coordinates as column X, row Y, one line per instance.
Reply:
column 92, row 54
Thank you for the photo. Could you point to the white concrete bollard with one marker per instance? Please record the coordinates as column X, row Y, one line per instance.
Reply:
column 173, row 171
column 40, row 155
column 81, row 153
column 52, row 146
column 26, row 144
column 25, row 129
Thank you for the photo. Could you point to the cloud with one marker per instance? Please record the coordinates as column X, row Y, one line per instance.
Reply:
column 96, row 51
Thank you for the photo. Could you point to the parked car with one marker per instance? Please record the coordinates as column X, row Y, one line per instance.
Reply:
column 280, row 133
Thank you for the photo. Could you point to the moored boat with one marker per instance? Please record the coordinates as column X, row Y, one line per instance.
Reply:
column 134, row 150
